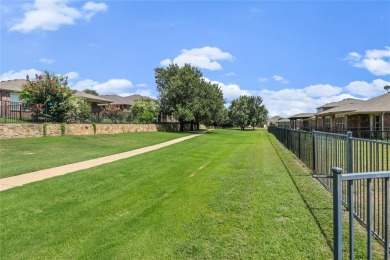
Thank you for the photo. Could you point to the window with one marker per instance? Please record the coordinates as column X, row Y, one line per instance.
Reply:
column 14, row 104
column 340, row 123
column 327, row 123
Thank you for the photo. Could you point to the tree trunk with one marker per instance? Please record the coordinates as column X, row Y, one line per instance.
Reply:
column 197, row 125
column 192, row 126
column 181, row 125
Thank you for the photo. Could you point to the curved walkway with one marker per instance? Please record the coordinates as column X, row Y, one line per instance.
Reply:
column 19, row 180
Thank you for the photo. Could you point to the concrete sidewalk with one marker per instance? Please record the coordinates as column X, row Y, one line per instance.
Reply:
column 19, row 180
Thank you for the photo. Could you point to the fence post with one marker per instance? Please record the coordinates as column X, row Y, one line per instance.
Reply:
column 337, row 215
column 314, row 151
column 349, row 152
column 299, row 144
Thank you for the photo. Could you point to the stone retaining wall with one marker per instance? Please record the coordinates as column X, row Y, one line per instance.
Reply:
column 36, row 130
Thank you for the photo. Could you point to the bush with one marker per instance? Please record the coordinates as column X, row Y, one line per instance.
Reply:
column 114, row 113
column 50, row 95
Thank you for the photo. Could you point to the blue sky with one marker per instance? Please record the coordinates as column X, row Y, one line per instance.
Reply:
column 297, row 55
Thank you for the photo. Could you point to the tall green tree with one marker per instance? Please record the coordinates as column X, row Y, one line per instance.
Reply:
column 184, row 92
column 208, row 103
column 247, row 110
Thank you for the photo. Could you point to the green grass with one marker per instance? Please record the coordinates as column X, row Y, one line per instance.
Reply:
column 223, row 195
column 20, row 156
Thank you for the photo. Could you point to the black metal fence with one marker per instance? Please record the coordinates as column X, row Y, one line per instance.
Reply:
column 375, row 134
column 18, row 112
column 352, row 180
column 321, row 151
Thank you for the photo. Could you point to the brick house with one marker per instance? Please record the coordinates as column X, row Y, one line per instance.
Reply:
column 302, row 121
column 325, row 119
column 9, row 97
column 11, row 105
column 363, row 117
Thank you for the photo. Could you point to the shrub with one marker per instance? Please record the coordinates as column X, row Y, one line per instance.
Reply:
column 50, row 96
column 63, row 128
column 144, row 110
column 114, row 113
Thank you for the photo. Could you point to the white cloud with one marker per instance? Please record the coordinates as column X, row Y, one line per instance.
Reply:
column 366, row 89
column 91, row 8
column 229, row 74
column 231, row 91
column 72, row 75
column 263, row 79
column 322, row 90
column 280, row 79
column 51, row 15
column 205, row 58
column 46, row 61
column 146, row 93
column 288, row 101
column 142, row 85
column 375, row 61
column 10, row 75
column 83, row 84
column 110, row 87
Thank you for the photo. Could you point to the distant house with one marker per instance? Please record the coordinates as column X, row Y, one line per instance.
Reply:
column 11, row 104
column 272, row 120
column 94, row 101
column 363, row 116
column 324, row 119
column 9, row 96
column 302, row 121
column 125, row 103
column 283, row 123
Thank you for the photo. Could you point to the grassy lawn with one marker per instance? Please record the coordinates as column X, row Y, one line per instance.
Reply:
column 224, row 195
column 25, row 155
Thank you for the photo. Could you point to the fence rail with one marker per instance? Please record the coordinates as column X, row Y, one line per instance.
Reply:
column 351, row 180
column 321, row 151
column 19, row 112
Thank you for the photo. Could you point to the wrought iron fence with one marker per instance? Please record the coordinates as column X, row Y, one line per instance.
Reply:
column 321, row 151
column 352, row 180
column 365, row 133
column 18, row 112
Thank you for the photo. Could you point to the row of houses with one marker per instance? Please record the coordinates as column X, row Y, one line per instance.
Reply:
column 364, row 117
column 10, row 102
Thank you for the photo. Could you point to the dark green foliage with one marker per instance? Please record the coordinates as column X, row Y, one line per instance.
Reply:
column 184, row 92
column 94, row 128
column 144, row 111
column 91, row 91
column 247, row 110
column 63, row 129
column 44, row 129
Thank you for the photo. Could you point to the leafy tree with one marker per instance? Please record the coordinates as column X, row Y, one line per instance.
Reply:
column 387, row 88
column 50, row 95
column 183, row 91
column 239, row 112
column 247, row 110
column 91, row 91
column 257, row 112
column 176, row 86
column 145, row 110
column 208, row 103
